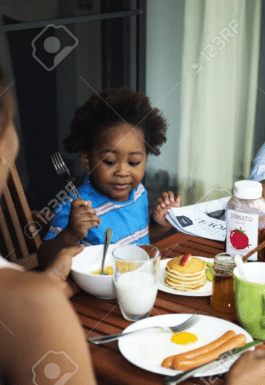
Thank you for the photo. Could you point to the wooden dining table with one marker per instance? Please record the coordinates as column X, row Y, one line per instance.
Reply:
column 102, row 317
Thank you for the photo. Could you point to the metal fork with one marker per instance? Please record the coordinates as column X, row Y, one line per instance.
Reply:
column 178, row 328
column 62, row 169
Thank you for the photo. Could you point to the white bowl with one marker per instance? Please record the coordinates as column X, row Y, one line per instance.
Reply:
column 101, row 286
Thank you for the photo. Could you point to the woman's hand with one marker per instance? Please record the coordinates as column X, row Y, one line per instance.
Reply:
column 163, row 203
column 82, row 218
column 60, row 269
column 248, row 369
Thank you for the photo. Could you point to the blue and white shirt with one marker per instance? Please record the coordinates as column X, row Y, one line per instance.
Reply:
column 129, row 220
column 258, row 170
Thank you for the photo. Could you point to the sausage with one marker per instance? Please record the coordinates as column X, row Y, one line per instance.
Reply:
column 212, row 345
column 168, row 362
column 186, row 364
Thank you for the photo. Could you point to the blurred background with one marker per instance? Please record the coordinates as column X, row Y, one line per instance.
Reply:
column 200, row 61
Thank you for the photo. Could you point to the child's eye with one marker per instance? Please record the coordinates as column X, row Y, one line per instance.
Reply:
column 108, row 162
column 134, row 163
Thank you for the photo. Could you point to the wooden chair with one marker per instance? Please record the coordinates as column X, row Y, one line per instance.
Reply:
column 19, row 236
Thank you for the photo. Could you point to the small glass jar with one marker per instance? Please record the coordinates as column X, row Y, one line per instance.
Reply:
column 223, row 299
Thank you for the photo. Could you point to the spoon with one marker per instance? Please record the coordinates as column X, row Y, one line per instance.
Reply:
column 258, row 248
column 240, row 265
column 107, row 239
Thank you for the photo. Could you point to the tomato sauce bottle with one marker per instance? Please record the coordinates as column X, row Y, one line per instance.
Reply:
column 245, row 218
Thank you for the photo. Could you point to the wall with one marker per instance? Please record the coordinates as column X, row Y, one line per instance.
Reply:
column 56, row 94
column 260, row 112
column 164, row 51
column 164, row 73
column 163, row 80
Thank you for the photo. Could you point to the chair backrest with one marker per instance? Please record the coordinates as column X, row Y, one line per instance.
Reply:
column 18, row 239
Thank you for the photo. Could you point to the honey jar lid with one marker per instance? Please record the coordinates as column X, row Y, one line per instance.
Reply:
column 247, row 189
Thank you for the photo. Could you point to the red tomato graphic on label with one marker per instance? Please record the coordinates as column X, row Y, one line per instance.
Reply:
column 239, row 239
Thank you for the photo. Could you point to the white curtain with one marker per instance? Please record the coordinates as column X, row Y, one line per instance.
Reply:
column 220, row 70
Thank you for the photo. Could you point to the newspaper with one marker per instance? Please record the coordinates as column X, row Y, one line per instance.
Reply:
column 206, row 220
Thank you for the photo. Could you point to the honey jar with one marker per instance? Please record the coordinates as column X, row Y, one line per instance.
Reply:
column 223, row 299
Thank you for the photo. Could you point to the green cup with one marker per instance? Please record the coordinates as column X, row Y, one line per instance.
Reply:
column 250, row 298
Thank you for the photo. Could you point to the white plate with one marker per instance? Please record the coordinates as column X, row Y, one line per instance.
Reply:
column 204, row 291
column 212, row 327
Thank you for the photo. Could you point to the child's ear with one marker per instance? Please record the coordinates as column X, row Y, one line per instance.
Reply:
column 85, row 160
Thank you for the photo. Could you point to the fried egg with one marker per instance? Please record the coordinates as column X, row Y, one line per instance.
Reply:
column 155, row 346
column 184, row 338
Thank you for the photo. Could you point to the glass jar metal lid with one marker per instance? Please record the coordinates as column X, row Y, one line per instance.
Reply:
column 224, row 263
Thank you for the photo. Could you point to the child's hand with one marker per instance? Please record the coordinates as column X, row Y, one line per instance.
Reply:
column 163, row 203
column 82, row 218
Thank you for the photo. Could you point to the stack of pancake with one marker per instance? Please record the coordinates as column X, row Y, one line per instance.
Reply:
column 191, row 276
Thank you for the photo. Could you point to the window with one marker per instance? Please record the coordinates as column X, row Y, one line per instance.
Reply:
column 107, row 49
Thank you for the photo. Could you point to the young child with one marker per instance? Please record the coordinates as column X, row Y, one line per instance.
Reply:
column 114, row 132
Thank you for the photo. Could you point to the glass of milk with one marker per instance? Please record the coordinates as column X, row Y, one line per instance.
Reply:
column 136, row 270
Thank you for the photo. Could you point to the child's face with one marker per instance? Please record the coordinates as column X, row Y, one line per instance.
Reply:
column 117, row 161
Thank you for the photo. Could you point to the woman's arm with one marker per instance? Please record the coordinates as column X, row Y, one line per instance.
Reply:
column 248, row 369
column 40, row 333
column 49, row 249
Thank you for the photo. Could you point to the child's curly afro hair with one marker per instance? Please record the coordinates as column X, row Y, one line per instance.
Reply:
column 111, row 107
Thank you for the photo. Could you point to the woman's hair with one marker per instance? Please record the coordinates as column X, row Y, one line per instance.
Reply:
column 6, row 103
column 113, row 106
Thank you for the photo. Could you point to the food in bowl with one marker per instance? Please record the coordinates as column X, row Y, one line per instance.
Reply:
column 108, row 270
column 185, row 273
column 88, row 261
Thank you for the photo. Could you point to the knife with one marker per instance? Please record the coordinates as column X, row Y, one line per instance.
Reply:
column 178, row 378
